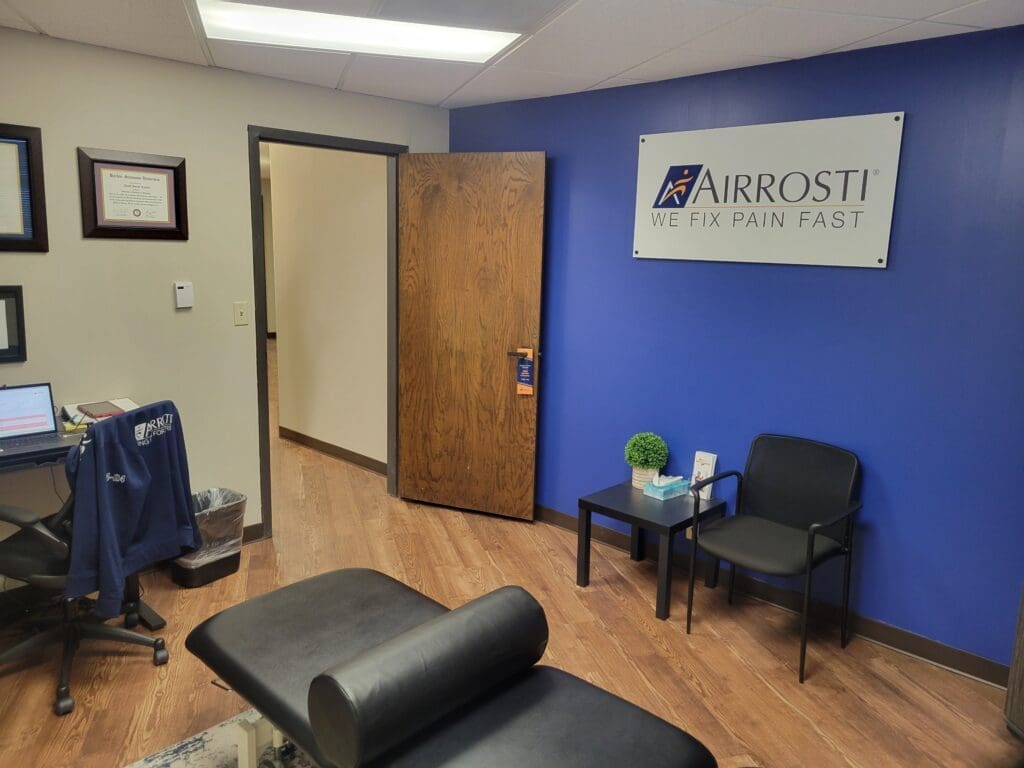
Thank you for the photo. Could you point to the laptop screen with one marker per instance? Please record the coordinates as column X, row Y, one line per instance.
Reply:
column 26, row 410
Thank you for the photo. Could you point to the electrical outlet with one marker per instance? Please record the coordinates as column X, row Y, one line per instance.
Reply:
column 241, row 312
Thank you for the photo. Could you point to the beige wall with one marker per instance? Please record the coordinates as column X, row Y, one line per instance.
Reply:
column 268, row 251
column 99, row 313
column 330, row 265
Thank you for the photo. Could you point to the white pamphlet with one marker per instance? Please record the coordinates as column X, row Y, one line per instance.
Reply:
column 704, row 467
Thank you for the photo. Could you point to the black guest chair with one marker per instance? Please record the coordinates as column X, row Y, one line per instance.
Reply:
column 794, row 511
column 39, row 553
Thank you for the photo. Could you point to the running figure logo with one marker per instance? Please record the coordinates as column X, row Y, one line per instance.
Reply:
column 679, row 182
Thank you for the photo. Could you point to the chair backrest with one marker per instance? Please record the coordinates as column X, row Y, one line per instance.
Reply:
column 59, row 523
column 133, row 501
column 152, row 435
column 797, row 482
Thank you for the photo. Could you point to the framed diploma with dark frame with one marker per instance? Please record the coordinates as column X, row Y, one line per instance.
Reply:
column 129, row 194
column 12, row 325
column 22, row 196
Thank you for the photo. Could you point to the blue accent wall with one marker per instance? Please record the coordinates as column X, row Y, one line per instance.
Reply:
column 918, row 368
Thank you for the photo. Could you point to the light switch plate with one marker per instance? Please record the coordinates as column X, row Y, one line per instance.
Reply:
column 241, row 312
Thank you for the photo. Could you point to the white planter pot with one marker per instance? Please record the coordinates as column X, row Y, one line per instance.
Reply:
column 642, row 477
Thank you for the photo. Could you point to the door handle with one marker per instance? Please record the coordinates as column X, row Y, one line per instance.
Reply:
column 517, row 353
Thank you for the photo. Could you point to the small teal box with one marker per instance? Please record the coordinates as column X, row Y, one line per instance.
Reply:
column 663, row 492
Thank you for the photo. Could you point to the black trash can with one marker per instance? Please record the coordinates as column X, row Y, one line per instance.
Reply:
column 220, row 515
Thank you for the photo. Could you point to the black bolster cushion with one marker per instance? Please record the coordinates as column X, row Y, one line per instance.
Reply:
column 362, row 708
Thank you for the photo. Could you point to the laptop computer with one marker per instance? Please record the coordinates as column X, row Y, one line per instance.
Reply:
column 28, row 425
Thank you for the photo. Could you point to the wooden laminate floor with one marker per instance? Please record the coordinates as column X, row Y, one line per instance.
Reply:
column 732, row 683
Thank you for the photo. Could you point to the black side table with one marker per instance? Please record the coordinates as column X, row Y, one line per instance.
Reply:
column 666, row 518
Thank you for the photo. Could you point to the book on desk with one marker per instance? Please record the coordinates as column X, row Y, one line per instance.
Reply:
column 76, row 417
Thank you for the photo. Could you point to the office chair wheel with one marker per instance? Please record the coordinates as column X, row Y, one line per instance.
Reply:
column 64, row 704
column 160, row 655
column 131, row 620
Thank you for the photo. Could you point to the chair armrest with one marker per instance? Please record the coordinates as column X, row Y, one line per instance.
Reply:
column 814, row 527
column 716, row 478
column 695, row 493
column 29, row 521
column 18, row 516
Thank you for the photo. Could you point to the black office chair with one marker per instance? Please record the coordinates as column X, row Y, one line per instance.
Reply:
column 794, row 511
column 39, row 554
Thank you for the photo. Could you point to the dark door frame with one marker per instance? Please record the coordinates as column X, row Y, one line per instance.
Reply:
column 391, row 151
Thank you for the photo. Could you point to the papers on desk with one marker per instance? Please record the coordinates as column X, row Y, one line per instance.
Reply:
column 73, row 419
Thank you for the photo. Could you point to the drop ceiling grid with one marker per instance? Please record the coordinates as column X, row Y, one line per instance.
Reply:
column 572, row 48
column 314, row 67
column 763, row 31
column 419, row 80
column 985, row 14
column 898, row 9
column 567, row 45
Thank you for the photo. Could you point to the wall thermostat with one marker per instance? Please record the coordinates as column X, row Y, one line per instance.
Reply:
column 183, row 295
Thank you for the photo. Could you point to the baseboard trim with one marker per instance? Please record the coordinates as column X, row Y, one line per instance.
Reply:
column 252, row 533
column 333, row 450
column 898, row 639
column 597, row 532
column 271, row 334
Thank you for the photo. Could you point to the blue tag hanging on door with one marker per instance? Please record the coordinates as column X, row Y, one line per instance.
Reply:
column 524, row 371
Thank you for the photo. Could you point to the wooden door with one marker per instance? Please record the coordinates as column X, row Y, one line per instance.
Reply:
column 470, row 236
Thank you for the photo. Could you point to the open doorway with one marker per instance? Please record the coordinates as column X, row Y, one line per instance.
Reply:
column 324, row 269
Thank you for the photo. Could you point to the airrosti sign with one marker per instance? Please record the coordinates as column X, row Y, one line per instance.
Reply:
column 811, row 192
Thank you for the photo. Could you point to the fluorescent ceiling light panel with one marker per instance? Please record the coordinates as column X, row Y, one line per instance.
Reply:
column 283, row 27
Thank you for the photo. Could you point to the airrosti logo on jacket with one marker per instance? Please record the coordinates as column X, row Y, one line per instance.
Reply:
column 147, row 430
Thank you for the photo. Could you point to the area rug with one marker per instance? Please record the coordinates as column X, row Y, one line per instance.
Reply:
column 213, row 748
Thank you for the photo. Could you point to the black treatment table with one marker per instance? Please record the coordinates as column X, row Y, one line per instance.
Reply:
column 359, row 669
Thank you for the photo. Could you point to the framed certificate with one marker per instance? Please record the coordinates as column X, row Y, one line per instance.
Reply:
column 22, row 197
column 126, row 194
column 12, row 325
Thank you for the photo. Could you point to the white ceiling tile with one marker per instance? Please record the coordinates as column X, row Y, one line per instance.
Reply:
column 601, row 38
column 153, row 27
column 426, row 82
column 8, row 18
column 987, row 13
column 655, row 24
column 314, row 67
column 500, row 15
column 918, row 30
column 899, row 9
column 494, row 84
column 579, row 56
column 617, row 82
column 692, row 60
column 789, row 34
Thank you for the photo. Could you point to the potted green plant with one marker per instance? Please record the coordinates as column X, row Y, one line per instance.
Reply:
column 646, row 453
